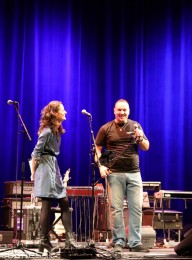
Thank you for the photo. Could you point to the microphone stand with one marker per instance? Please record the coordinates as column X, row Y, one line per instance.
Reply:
column 93, row 152
column 25, row 133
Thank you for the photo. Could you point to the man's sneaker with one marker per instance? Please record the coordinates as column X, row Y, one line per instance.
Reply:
column 139, row 248
column 118, row 248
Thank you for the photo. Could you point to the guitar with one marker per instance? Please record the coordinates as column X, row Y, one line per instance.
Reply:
column 66, row 178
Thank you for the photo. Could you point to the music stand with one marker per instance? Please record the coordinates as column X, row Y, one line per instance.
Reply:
column 19, row 245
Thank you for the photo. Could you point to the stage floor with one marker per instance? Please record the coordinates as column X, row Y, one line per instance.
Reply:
column 100, row 249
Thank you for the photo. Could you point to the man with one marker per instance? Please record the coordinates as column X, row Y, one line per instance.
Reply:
column 122, row 137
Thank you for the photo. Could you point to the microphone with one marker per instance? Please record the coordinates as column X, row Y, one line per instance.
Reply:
column 130, row 133
column 84, row 112
column 11, row 102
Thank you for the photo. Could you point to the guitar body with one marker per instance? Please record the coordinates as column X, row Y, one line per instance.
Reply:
column 66, row 178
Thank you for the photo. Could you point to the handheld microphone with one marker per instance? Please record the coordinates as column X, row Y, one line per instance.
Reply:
column 11, row 102
column 84, row 112
column 130, row 133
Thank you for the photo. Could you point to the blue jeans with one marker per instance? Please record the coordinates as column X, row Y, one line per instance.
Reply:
column 129, row 185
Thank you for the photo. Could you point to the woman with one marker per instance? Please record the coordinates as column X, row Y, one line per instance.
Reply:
column 48, row 184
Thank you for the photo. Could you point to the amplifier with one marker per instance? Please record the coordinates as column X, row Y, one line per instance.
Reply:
column 103, row 213
column 102, row 216
column 13, row 188
column 8, row 207
column 30, row 223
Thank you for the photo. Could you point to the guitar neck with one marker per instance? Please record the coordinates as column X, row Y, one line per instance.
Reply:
column 66, row 178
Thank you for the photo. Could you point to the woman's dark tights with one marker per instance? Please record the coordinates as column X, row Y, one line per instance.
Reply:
column 46, row 215
column 65, row 214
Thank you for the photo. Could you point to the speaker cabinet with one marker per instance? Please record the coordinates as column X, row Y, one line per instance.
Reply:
column 184, row 248
column 102, row 216
column 8, row 207
column 29, row 223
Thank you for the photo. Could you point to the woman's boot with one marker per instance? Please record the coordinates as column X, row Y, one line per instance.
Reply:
column 70, row 241
column 45, row 243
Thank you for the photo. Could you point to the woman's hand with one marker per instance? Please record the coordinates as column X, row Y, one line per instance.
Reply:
column 32, row 177
column 34, row 165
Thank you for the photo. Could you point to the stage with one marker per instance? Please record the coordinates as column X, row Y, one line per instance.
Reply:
column 167, row 225
column 94, row 251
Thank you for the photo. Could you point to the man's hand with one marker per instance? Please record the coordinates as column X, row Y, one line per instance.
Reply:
column 104, row 171
column 138, row 133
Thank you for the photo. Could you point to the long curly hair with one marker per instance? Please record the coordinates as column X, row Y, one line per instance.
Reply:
column 50, row 118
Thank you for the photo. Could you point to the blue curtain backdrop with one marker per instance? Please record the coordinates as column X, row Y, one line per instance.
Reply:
column 88, row 54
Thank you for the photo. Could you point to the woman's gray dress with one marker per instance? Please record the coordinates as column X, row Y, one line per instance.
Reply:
column 48, row 180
